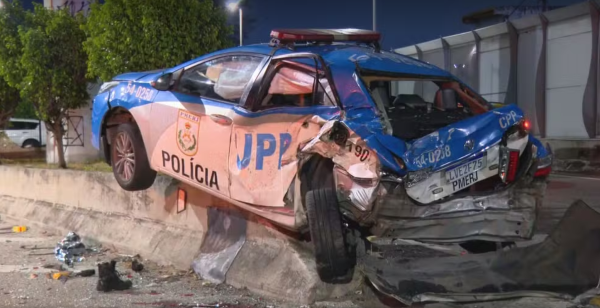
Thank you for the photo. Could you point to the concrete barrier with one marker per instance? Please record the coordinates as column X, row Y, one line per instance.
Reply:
column 578, row 156
column 146, row 222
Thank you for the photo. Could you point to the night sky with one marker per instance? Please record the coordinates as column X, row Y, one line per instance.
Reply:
column 401, row 22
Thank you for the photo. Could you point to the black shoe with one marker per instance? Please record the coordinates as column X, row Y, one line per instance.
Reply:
column 104, row 270
column 108, row 278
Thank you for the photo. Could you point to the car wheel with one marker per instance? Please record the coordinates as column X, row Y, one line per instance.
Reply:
column 325, row 223
column 30, row 143
column 129, row 160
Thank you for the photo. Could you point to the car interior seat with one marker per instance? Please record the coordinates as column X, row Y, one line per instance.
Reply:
column 446, row 99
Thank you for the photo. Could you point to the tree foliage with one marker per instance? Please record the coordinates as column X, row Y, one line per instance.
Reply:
column 9, row 99
column 54, row 67
column 141, row 35
column 12, row 16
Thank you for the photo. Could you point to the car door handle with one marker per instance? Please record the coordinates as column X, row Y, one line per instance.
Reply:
column 220, row 119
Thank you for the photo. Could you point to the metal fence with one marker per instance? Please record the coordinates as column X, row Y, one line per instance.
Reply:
column 546, row 63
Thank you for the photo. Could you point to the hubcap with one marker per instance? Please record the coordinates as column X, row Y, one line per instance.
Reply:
column 124, row 156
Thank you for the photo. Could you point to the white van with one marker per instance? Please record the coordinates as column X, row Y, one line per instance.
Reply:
column 26, row 132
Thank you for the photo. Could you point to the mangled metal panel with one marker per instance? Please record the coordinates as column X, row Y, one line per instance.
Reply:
column 564, row 265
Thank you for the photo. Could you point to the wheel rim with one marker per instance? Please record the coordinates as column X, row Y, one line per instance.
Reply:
column 124, row 156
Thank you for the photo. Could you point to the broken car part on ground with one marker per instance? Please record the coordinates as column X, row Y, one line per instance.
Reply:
column 321, row 131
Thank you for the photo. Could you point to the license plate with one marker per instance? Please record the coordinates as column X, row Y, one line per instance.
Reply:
column 465, row 174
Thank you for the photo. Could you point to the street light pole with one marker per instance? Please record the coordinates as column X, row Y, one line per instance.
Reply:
column 241, row 28
column 374, row 15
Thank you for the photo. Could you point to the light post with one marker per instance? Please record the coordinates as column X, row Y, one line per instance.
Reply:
column 374, row 15
column 232, row 7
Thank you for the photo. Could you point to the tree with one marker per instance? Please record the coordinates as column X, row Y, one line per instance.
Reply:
column 141, row 35
column 9, row 99
column 12, row 16
column 54, row 68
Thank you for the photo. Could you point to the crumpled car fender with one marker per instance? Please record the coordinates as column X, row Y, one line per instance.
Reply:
column 355, row 157
column 356, row 166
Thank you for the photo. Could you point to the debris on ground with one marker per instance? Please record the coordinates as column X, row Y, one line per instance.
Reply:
column 136, row 266
column 15, row 229
column 86, row 273
column 70, row 249
column 59, row 275
column 109, row 279
column 563, row 266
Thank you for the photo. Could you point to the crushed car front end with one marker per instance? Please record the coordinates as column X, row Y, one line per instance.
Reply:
column 441, row 165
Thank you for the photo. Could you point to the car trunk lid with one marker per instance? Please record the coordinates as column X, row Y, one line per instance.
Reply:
column 460, row 140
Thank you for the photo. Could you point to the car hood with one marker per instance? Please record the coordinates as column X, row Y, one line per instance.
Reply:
column 138, row 76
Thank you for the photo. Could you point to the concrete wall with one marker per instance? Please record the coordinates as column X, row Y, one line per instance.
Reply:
column 547, row 64
column 146, row 222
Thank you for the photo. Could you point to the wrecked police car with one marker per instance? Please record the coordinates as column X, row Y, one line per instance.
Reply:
column 320, row 131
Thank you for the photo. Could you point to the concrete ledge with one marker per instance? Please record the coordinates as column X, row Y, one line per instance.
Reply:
column 132, row 235
column 93, row 205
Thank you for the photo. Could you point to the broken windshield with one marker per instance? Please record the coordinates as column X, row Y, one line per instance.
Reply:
column 414, row 107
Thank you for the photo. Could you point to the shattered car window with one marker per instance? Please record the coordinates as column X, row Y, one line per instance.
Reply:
column 293, row 85
column 417, row 107
column 224, row 78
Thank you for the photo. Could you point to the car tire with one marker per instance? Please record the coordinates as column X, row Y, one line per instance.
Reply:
column 31, row 143
column 331, row 249
column 132, row 174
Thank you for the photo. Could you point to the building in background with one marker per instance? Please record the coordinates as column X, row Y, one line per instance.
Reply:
column 546, row 62
column 78, row 136
column 74, row 6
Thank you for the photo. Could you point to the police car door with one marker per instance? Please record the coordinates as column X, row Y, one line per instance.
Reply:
column 289, row 102
column 192, row 122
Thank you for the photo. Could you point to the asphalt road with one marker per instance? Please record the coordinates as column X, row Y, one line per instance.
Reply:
column 23, row 281
column 563, row 190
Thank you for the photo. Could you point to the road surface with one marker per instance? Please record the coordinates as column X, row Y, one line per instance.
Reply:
column 563, row 190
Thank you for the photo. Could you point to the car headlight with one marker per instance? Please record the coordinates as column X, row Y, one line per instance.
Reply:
column 107, row 86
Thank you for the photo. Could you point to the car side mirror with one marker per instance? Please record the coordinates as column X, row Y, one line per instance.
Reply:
column 163, row 83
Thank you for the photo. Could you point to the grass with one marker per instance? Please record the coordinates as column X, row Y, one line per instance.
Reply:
column 99, row 165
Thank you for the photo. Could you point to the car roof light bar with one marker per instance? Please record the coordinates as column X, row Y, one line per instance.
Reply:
column 289, row 37
column 325, row 35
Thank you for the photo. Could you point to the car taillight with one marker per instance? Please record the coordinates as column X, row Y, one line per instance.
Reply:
column 513, row 164
column 544, row 165
column 509, row 163
column 543, row 171
column 526, row 125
